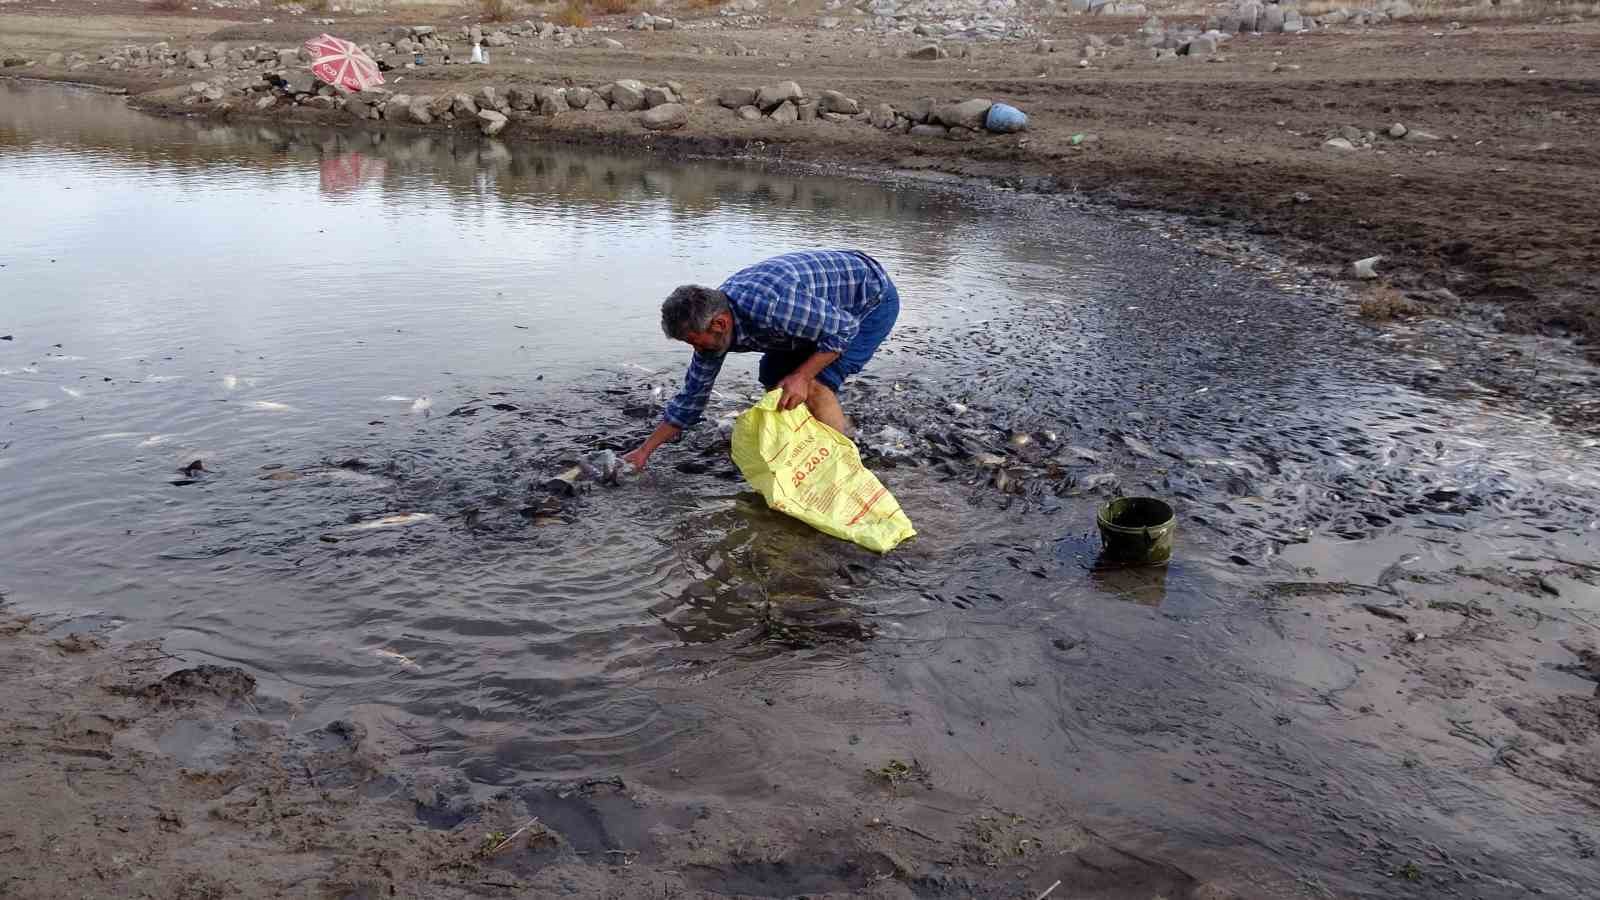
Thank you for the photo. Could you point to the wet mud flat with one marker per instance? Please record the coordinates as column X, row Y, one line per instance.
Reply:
column 1367, row 672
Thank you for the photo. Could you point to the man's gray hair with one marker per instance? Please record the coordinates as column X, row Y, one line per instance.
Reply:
column 691, row 308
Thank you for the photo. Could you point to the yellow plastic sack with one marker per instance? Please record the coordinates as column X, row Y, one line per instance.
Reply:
column 808, row 470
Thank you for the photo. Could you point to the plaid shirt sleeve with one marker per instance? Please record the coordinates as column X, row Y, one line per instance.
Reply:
column 689, row 406
column 784, row 305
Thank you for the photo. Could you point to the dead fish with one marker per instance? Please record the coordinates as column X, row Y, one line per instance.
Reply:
column 269, row 406
column 1084, row 454
column 404, row 661
column 1383, row 612
column 988, row 460
column 1006, row 483
column 72, row 392
column 155, row 440
column 603, row 466
column 422, row 405
column 394, row 521
column 1139, row 448
column 1020, row 439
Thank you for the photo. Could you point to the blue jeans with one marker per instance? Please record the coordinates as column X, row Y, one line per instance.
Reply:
column 875, row 326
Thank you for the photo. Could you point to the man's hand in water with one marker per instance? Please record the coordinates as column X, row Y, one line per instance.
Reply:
column 664, row 432
column 637, row 458
column 796, row 390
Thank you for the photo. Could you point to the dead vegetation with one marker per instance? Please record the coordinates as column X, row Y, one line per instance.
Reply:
column 571, row 15
column 1384, row 303
column 496, row 10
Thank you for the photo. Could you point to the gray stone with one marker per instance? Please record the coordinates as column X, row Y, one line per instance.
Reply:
column 883, row 116
column 420, row 110
column 579, row 97
column 937, row 131
column 749, row 114
column 835, row 102
column 462, row 105
column 968, row 114
column 1293, row 22
column 520, row 98
column 658, row 96
column 358, row 109
column 288, row 57
column 1202, row 46
column 611, row 43
column 837, row 118
column 441, row 105
column 785, row 113
column 1365, row 269
column 807, row 110
column 491, row 122
column 734, row 98
column 921, row 110
column 662, row 23
column 627, row 95
column 299, row 82
column 929, row 51
column 552, row 101
column 53, row 60
column 1045, row 47
column 1271, row 21
column 665, row 117
column 1350, row 133
column 828, row 23
column 773, row 95
column 1397, row 131
column 421, row 30
column 217, row 53
column 194, row 59
column 266, row 102
column 1338, row 145
column 1249, row 16
column 498, row 39
column 596, row 103
column 1415, row 135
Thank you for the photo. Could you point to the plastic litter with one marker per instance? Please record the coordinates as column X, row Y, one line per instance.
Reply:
column 807, row 470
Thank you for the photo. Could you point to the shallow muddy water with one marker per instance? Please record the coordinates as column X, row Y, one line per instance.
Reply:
column 349, row 327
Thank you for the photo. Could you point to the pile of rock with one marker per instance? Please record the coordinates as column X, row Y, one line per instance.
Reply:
column 1349, row 139
column 787, row 102
column 1106, row 8
column 218, row 57
column 1254, row 16
column 954, row 121
column 955, row 20
column 1166, row 42
column 646, row 22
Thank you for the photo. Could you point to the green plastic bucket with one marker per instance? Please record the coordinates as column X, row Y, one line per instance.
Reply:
column 1137, row 530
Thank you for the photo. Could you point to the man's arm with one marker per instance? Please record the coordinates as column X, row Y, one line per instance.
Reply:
column 684, row 410
column 796, row 385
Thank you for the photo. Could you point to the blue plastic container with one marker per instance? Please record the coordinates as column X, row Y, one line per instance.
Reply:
column 1005, row 119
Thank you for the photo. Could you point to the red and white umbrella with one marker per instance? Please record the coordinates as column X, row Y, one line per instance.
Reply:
column 342, row 64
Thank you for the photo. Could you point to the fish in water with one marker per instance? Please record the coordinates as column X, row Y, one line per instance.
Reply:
column 155, row 440
column 72, row 392
column 394, row 521
column 604, row 466
column 404, row 661
column 270, row 406
column 421, row 405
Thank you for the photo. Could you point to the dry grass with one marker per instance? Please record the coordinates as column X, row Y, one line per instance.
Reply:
column 496, row 10
column 168, row 5
column 704, row 4
column 571, row 15
column 1383, row 303
column 613, row 7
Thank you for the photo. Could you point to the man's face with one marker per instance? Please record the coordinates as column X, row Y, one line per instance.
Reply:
column 717, row 337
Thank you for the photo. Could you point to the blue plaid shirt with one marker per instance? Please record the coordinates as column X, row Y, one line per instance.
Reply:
column 810, row 300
